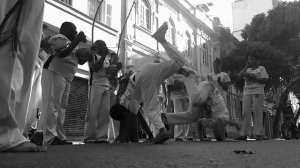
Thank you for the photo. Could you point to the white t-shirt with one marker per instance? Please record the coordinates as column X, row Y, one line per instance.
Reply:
column 254, row 87
column 66, row 66
column 100, row 77
column 224, row 79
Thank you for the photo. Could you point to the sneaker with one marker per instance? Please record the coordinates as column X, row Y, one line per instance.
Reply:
column 161, row 137
column 164, row 120
column 178, row 140
column 160, row 33
column 242, row 138
column 58, row 141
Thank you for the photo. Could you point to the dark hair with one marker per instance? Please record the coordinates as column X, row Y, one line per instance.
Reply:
column 118, row 112
column 65, row 27
column 102, row 44
column 218, row 61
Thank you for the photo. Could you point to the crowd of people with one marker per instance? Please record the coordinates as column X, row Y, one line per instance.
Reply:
column 37, row 71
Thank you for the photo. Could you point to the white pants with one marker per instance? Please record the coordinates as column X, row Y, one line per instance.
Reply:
column 35, row 99
column 97, row 117
column 149, row 78
column 181, row 104
column 114, row 126
column 55, row 106
column 254, row 101
column 16, row 68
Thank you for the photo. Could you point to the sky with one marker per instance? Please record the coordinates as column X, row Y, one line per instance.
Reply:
column 221, row 9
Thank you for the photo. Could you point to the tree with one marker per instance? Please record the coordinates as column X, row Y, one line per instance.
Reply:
column 275, row 37
column 272, row 59
column 280, row 28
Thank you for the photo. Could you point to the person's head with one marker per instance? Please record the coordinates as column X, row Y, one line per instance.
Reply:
column 118, row 112
column 69, row 30
column 253, row 60
column 217, row 66
column 100, row 48
column 114, row 59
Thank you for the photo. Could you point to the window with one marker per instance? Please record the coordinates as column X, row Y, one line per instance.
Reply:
column 156, row 5
column 69, row 2
column 188, row 43
column 145, row 20
column 104, row 14
column 171, row 32
column 93, row 5
column 205, row 54
column 108, row 15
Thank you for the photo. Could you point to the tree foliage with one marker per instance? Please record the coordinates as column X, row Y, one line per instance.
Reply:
column 275, row 38
column 272, row 59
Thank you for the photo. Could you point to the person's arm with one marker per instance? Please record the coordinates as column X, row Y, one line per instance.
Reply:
column 243, row 72
column 99, row 64
column 67, row 51
column 198, row 95
column 263, row 76
column 174, row 54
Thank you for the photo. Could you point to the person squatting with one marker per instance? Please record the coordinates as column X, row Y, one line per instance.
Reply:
column 137, row 91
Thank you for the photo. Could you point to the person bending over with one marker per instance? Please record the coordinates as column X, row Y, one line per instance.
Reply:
column 201, row 96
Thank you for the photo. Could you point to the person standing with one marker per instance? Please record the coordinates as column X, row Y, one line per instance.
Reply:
column 221, row 79
column 62, row 70
column 255, row 79
column 181, row 103
column 20, row 36
column 35, row 92
column 97, row 117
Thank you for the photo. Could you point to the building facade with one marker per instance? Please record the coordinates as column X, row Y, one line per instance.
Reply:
column 191, row 36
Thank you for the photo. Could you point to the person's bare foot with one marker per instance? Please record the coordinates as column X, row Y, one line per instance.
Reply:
column 160, row 33
column 27, row 147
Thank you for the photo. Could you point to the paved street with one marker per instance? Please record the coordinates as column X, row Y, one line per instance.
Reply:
column 266, row 154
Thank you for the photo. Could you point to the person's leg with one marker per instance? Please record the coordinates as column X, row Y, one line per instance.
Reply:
column 92, row 111
column 178, row 129
column 103, row 117
column 189, row 129
column 59, row 86
column 47, row 99
column 114, row 125
column 62, row 112
column 29, row 35
column 171, row 51
column 258, row 101
column 246, row 115
column 35, row 99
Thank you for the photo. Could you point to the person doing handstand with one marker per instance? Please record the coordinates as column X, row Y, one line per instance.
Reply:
column 143, row 86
